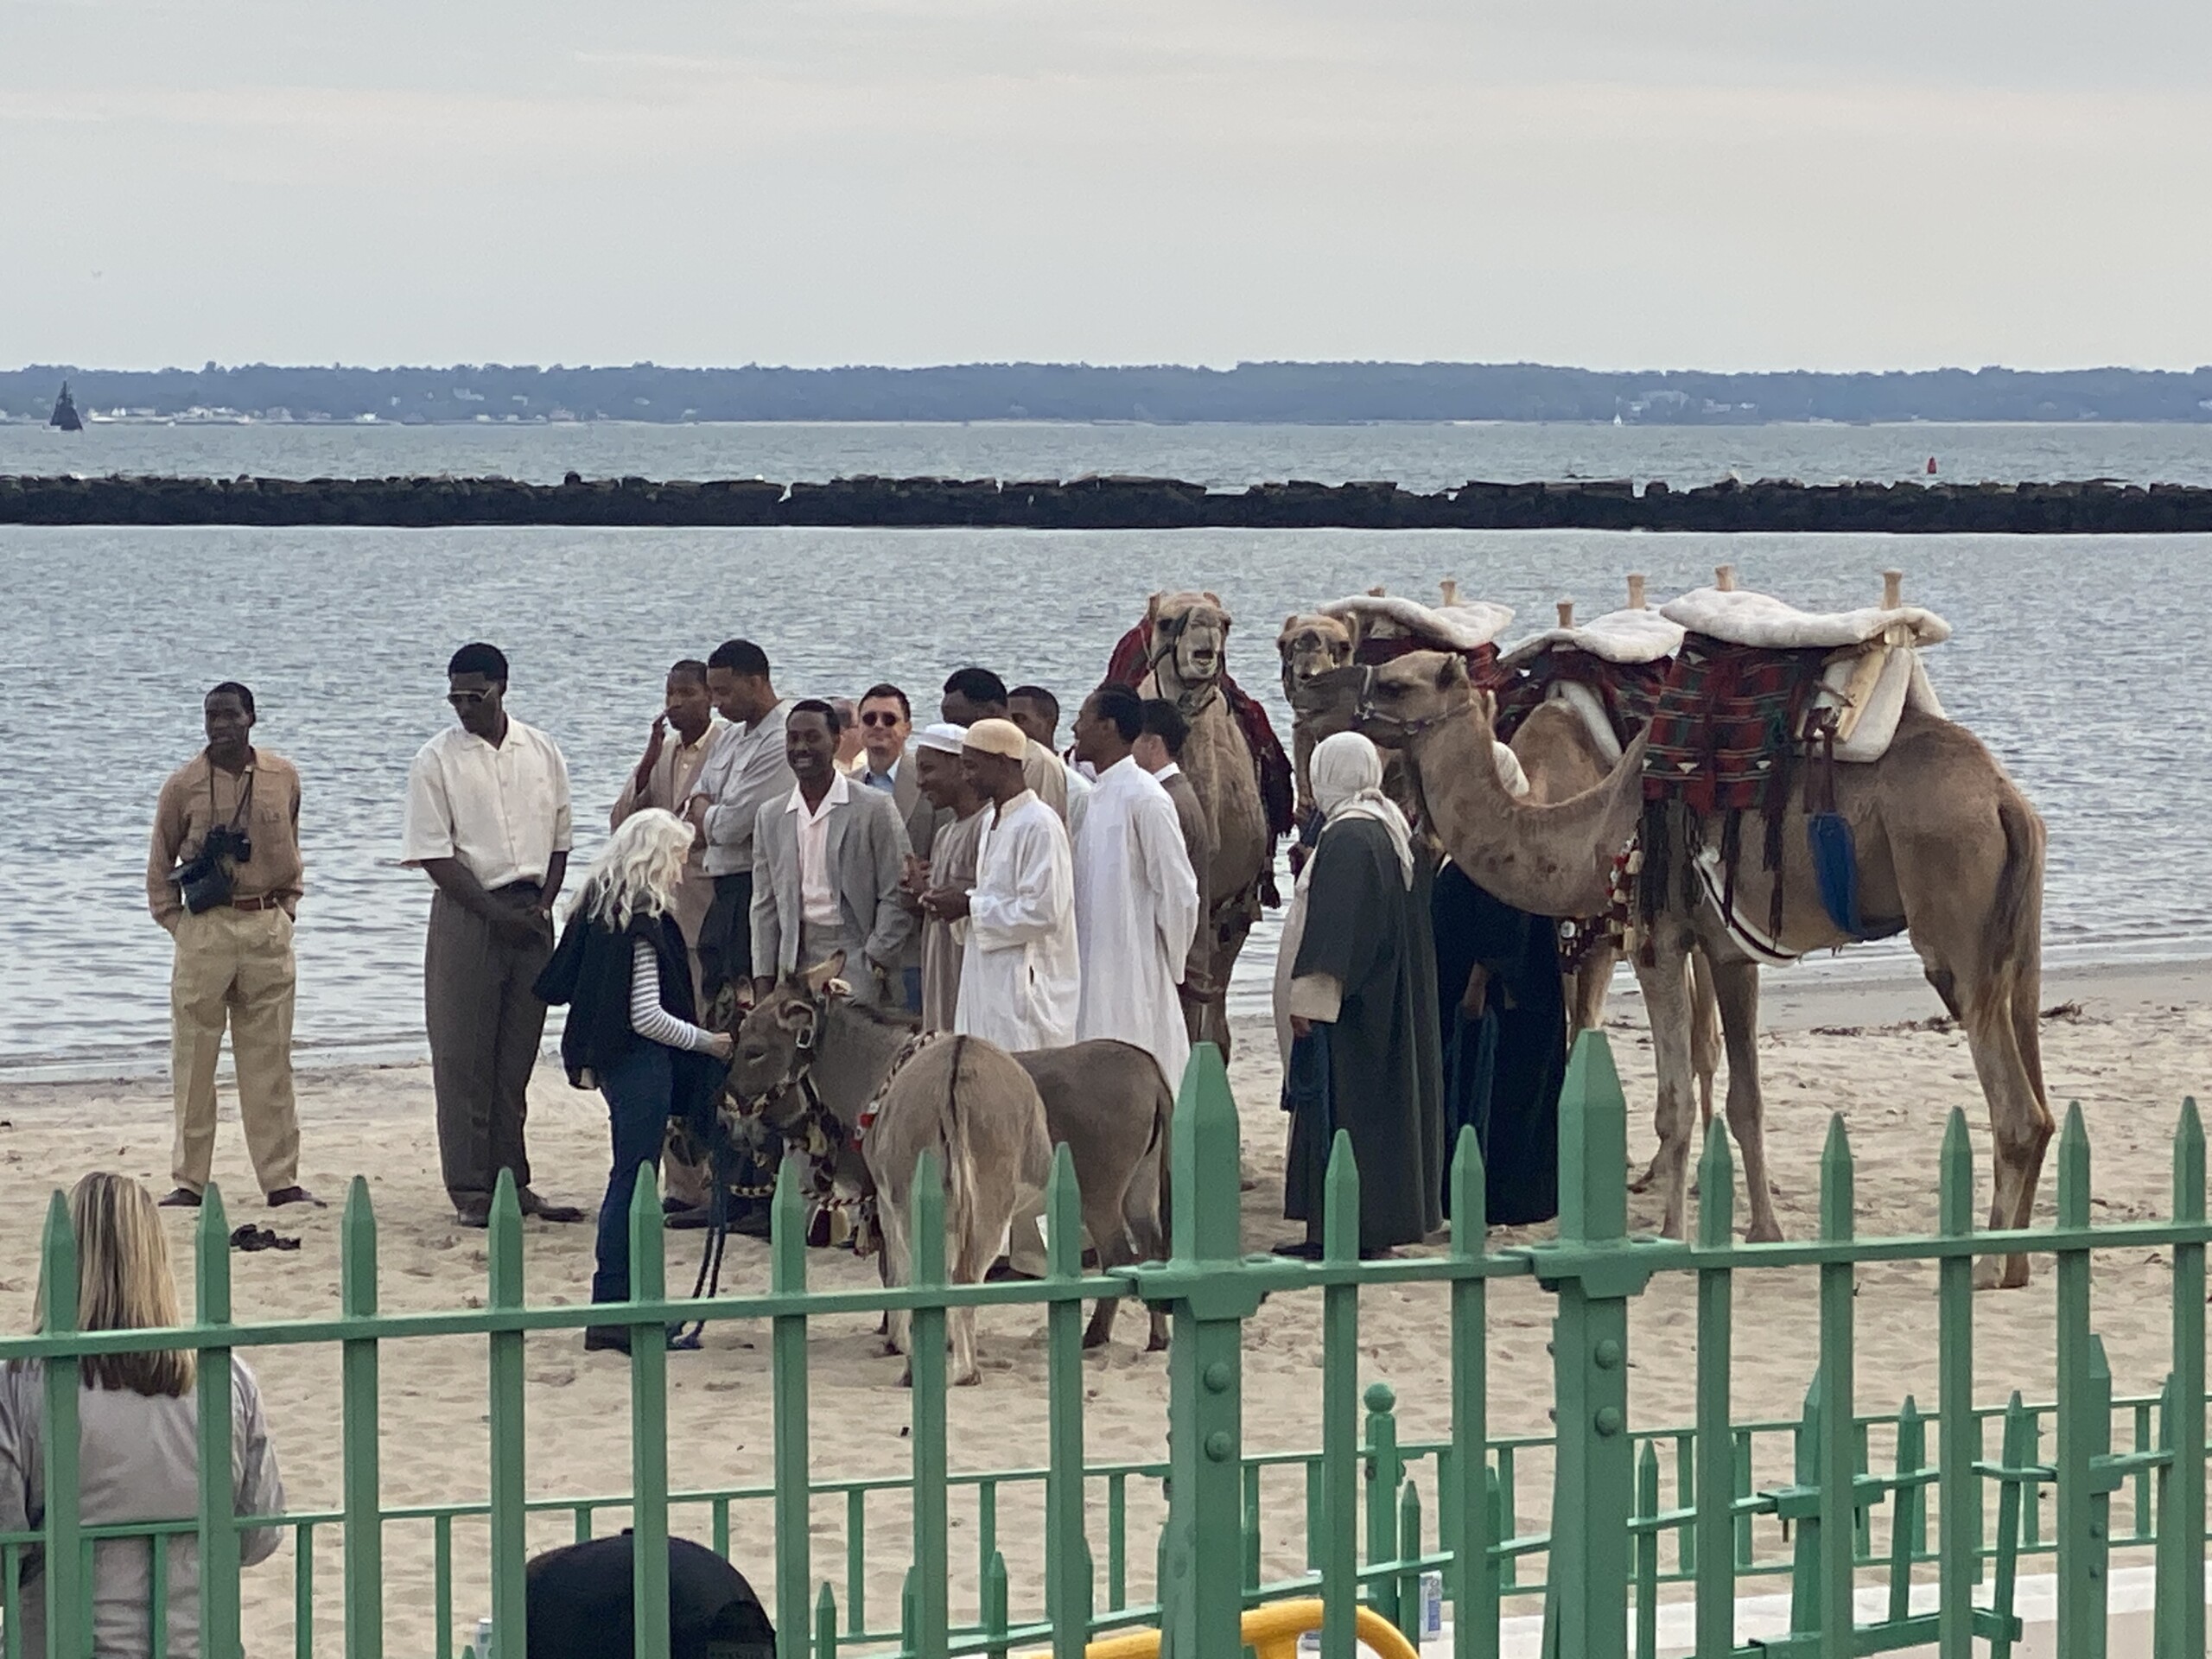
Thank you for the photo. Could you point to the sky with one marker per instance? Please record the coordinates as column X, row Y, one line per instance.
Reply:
column 1721, row 184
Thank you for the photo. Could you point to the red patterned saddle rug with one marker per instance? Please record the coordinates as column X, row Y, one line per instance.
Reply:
column 1629, row 692
column 1724, row 742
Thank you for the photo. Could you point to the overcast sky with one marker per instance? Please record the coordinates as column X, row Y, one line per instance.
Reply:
column 1709, row 183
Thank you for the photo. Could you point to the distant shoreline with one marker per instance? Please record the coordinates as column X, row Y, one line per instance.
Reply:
column 1247, row 393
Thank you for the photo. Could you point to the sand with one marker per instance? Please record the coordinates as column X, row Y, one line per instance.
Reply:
column 2136, row 1042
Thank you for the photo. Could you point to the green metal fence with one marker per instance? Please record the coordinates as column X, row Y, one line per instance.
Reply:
column 1891, row 1499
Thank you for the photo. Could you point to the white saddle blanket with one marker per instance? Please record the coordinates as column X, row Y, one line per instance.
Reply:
column 1617, row 637
column 1467, row 625
column 1739, row 617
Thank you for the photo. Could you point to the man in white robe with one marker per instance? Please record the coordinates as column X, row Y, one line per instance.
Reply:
column 1136, row 896
column 1019, row 975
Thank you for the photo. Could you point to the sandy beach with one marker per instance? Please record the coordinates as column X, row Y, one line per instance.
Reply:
column 2128, row 1043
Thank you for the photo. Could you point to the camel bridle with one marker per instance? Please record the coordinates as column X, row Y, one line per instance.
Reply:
column 1366, row 714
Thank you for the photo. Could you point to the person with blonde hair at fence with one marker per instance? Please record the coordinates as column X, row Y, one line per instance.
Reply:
column 138, row 1422
column 623, row 968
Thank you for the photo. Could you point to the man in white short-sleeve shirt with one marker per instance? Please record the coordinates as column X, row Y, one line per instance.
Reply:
column 487, row 820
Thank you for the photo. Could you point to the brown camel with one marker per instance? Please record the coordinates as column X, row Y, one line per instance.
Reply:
column 1946, row 848
column 1190, row 640
column 1312, row 643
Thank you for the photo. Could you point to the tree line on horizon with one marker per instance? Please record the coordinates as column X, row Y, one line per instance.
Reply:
column 1316, row 393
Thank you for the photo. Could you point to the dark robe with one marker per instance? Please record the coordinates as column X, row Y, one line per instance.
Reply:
column 1502, row 1068
column 1375, row 1071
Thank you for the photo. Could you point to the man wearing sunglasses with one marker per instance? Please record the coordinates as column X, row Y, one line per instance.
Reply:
column 487, row 820
column 887, row 721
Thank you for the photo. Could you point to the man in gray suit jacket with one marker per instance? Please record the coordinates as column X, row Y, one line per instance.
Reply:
column 826, row 864
column 887, row 764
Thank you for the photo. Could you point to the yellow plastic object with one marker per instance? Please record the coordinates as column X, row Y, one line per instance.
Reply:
column 1271, row 1632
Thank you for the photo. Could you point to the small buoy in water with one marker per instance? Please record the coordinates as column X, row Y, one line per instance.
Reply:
column 1931, row 465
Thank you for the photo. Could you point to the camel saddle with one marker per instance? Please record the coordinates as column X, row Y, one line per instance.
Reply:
column 1132, row 661
column 1869, row 672
column 1607, row 670
column 1388, row 627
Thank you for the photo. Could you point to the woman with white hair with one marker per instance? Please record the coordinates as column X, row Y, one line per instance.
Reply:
column 1359, row 994
column 623, row 969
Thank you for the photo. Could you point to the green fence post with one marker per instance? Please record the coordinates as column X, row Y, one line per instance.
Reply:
column 993, row 1620
column 931, row 1554
column 1211, row 1296
column 2084, row 1422
column 1466, row 1508
column 219, row 1515
column 1714, row 1487
column 2180, row 1615
column 1067, row 1552
column 1412, row 1605
column 1593, row 1273
column 1383, row 1471
column 1646, row 1548
column 648, row 1423
column 1340, row 1459
column 1837, row 1444
column 510, row 1546
column 793, row 1429
column 1958, row 1490
column 1908, row 1509
column 364, row 1543
column 65, row 1633
column 825, row 1621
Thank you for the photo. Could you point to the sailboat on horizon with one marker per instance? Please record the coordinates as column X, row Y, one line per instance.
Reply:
column 64, row 412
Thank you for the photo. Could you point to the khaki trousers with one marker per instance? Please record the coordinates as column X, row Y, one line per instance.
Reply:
column 235, row 967
column 485, row 1021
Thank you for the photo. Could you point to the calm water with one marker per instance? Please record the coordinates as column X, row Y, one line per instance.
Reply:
column 2081, row 661
column 1418, row 456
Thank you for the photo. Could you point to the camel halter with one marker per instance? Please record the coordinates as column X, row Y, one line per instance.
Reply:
column 1365, row 713
column 1167, row 635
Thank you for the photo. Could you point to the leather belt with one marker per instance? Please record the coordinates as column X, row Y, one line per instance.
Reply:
column 266, row 901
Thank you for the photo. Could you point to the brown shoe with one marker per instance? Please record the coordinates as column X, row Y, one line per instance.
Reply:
column 180, row 1198
column 285, row 1195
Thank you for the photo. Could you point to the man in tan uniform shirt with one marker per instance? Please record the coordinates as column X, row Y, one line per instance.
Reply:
column 233, row 947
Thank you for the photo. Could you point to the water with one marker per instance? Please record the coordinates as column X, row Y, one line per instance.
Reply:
column 1419, row 456
column 2079, row 660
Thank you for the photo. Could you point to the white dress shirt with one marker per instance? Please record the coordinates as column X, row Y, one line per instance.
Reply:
column 746, row 771
column 501, row 809
column 817, row 894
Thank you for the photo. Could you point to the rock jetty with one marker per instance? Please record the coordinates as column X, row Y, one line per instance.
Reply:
column 2095, row 506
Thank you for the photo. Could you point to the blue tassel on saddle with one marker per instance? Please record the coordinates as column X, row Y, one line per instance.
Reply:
column 1835, row 866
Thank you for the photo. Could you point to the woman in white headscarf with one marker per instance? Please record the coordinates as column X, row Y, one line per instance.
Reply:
column 1356, row 1010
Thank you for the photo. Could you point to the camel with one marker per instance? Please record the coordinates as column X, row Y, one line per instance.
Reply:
column 1311, row 643
column 1190, row 640
column 1947, row 847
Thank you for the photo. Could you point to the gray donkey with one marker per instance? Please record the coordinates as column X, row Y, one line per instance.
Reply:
column 804, row 1045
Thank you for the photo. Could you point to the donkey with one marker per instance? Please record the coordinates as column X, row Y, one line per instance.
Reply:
column 805, row 1050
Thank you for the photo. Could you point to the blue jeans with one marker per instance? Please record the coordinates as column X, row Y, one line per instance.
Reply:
column 644, row 1089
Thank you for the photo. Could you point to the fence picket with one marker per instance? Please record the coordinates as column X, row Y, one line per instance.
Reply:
column 1713, row 1491
column 509, row 1549
column 65, row 1574
column 1340, row 1457
column 1837, row 1454
column 2180, row 1610
column 1383, row 1471
column 932, row 1555
column 1465, row 1510
column 1067, row 1590
column 1959, row 1433
column 649, row 1423
column 362, row 1427
column 219, row 1515
column 792, row 1428
column 2084, row 1422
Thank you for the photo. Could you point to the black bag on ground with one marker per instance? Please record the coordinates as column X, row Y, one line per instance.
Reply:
column 582, row 1606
